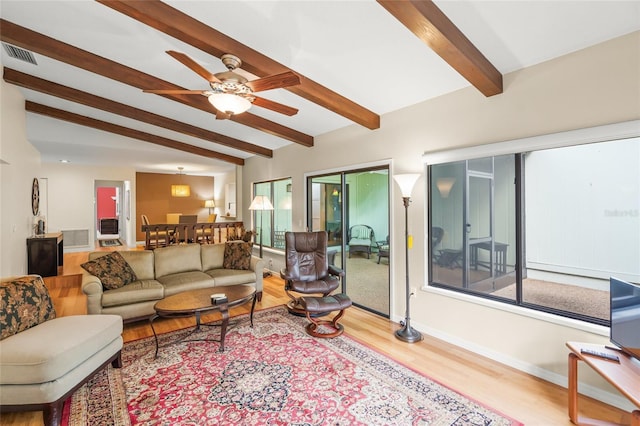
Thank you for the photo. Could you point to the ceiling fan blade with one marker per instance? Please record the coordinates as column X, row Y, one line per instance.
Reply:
column 222, row 115
column 174, row 92
column 275, row 106
column 193, row 65
column 275, row 81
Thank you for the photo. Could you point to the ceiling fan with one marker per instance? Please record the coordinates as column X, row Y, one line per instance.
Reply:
column 230, row 92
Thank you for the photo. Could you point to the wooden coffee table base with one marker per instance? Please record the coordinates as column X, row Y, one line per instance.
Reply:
column 195, row 302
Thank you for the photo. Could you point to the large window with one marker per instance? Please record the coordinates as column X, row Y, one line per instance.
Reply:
column 545, row 229
column 272, row 224
column 473, row 213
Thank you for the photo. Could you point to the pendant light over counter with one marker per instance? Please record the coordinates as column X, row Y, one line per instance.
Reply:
column 180, row 189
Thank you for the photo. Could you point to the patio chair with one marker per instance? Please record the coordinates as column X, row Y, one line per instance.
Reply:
column 361, row 238
column 278, row 239
column 436, row 237
column 383, row 249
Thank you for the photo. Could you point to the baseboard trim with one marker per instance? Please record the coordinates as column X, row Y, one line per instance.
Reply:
column 555, row 378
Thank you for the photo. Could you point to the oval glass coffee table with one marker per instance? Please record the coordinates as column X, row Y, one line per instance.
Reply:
column 196, row 302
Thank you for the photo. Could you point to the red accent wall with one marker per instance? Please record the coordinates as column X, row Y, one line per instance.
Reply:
column 106, row 205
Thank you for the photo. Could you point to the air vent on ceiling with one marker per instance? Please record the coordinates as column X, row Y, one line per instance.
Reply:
column 21, row 54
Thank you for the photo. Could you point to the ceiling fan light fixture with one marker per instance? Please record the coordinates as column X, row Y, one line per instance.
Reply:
column 229, row 103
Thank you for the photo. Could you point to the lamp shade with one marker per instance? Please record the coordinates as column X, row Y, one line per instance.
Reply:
column 444, row 185
column 261, row 202
column 180, row 190
column 406, row 182
column 209, row 204
column 229, row 103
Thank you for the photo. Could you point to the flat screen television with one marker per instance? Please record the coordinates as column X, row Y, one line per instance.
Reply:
column 625, row 316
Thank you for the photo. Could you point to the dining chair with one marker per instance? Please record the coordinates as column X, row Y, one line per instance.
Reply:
column 155, row 238
column 173, row 218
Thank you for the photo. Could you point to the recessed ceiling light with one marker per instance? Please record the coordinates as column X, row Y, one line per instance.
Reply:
column 65, row 161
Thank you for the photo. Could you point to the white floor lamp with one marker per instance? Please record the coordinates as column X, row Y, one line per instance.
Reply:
column 406, row 183
column 261, row 203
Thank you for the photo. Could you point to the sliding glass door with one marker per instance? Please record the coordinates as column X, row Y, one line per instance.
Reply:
column 349, row 206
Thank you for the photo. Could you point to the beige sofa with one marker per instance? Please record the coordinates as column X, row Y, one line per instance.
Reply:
column 163, row 272
column 44, row 359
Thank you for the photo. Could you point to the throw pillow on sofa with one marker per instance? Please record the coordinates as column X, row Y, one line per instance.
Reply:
column 112, row 269
column 25, row 303
column 246, row 237
column 237, row 255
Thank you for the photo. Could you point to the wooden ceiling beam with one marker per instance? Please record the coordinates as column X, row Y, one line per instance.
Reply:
column 125, row 131
column 63, row 52
column 183, row 27
column 433, row 27
column 64, row 92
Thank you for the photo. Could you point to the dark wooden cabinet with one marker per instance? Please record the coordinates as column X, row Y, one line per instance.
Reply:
column 45, row 254
column 108, row 226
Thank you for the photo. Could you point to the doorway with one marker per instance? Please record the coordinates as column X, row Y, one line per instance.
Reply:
column 109, row 220
column 341, row 203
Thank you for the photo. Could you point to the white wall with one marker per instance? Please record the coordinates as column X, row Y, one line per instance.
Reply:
column 69, row 190
column 592, row 193
column 72, row 198
column 592, row 87
column 220, row 191
column 19, row 164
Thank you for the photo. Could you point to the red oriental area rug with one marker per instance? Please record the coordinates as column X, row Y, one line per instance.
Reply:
column 271, row 374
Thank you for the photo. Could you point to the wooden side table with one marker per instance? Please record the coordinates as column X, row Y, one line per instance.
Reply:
column 500, row 253
column 623, row 375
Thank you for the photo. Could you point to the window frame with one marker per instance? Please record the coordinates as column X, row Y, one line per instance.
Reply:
column 606, row 133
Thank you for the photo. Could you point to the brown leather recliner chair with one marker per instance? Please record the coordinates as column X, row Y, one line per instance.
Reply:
column 307, row 270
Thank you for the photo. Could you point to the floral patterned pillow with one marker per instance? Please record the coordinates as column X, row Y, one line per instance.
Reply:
column 246, row 237
column 112, row 269
column 24, row 303
column 237, row 255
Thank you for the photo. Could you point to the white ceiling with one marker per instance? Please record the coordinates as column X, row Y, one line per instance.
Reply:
column 355, row 48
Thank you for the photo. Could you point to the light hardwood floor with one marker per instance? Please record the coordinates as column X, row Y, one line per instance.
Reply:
column 526, row 398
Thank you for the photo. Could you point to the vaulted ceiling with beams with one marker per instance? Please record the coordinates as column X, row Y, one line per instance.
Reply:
column 85, row 68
